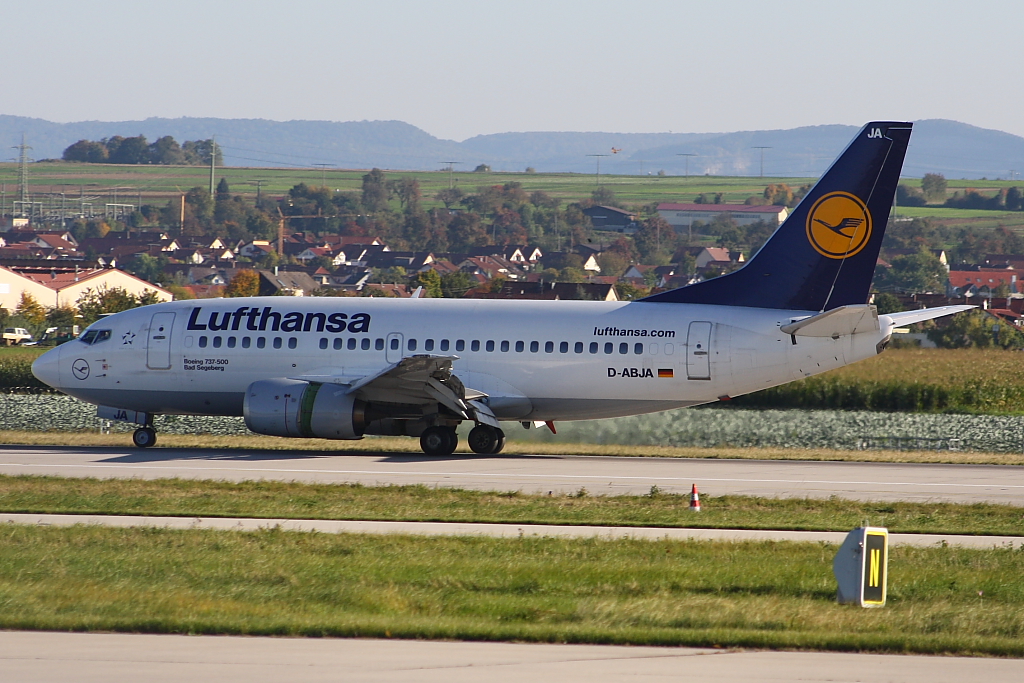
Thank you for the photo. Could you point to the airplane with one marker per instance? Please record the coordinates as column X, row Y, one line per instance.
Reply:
column 344, row 368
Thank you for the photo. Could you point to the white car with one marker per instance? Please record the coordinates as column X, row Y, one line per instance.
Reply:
column 16, row 335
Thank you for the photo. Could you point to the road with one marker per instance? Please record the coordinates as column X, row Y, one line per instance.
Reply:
column 115, row 658
column 539, row 473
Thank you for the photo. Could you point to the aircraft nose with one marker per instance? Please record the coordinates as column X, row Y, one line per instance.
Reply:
column 46, row 368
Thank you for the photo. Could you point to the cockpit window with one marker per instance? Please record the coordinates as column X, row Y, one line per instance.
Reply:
column 95, row 336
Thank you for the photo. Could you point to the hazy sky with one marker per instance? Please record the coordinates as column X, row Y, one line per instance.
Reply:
column 458, row 69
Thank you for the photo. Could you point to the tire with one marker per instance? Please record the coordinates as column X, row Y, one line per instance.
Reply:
column 486, row 440
column 438, row 441
column 144, row 437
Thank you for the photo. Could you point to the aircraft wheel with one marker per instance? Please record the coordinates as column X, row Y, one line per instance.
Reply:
column 144, row 437
column 486, row 440
column 439, row 441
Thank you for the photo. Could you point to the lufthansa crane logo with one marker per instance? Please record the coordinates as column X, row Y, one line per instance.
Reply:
column 80, row 369
column 839, row 225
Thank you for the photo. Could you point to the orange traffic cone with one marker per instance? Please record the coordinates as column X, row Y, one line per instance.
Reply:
column 694, row 500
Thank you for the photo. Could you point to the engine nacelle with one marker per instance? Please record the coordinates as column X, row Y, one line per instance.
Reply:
column 289, row 407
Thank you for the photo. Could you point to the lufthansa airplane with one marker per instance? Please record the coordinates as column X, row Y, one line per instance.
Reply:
column 341, row 368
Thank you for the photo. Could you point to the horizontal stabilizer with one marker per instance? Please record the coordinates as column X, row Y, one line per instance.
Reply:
column 904, row 318
column 838, row 322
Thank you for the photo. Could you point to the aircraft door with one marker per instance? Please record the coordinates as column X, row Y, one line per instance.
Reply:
column 698, row 351
column 393, row 347
column 158, row 349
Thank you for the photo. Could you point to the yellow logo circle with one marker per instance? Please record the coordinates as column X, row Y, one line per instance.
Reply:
column 839, row 225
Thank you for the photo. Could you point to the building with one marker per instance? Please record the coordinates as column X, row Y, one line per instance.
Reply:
column 683, row 216
column 612, row 219
column 65, row 286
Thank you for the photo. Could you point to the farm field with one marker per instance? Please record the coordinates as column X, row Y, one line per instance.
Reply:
column 776, row 595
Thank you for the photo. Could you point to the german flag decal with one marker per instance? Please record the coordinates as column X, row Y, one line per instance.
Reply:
column 665, row 372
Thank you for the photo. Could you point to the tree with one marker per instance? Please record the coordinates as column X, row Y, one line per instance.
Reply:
column 920, row 272
column 978, row 329
column 450, row 196
column 166, row 151
column 907, row 195
column 778, row 195
column 130, row 151
column 482, row 168
column 375, row 191
column 31, row 311
column 603, row 196
column 430, row 281
column 95, row 302
column 246, row 282
column 455, row 285
column 223, row 190
column 933, row 185
column 148, row 267
column 887, row 303
column 86, row 151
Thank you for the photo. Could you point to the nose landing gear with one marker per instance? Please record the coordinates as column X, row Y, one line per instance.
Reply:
column 144, row 437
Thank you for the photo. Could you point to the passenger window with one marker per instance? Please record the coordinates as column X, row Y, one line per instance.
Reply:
column 323, row 342
column 202, row 342
column 490, row 345
column 563, row 347
column 520, row 346
column 292, row 342
column 669, row 348
column 652, row 348
column 365, row 344
column 412, row 344
column 593, row 347
column 428, row 344
column 394, row 344
column 231, row 342
column 578, row 348
column 338, row 343
column 189, row 340
column 261, row 342
column 534, row 347
column 352, row 343
column 246, row 342
column 549, row 347
column 623, row 347
column 638, row 348
column 504, row 346
column 475, row 346
column 460, row 345
column 444, row 344
column 217, row 341
column 378, row 344
column 277, row 342
column 609, row 347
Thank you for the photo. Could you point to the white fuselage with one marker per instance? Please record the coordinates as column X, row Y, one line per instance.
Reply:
column 536, row 360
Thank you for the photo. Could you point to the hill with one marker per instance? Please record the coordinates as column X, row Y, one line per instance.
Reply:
column 957, row 150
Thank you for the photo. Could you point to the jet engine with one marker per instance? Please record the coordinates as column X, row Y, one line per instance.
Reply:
column 289, row 407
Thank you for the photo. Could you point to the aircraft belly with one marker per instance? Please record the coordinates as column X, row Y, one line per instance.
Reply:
column 598, row 408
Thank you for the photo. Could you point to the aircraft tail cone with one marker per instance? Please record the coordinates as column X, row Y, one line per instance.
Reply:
column 694, row 500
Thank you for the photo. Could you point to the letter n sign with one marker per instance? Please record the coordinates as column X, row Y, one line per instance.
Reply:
column 860, row 567
column 876, row 560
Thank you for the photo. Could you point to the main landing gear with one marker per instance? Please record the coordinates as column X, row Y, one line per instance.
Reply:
column 486, row 440
column 144, row 437
column 439, row 440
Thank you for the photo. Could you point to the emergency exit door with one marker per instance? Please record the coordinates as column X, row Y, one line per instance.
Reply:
column 698, row 351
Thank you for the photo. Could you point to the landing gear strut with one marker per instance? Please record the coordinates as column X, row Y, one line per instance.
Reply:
column 144, row 437
column 486, row 440
column 439, row 441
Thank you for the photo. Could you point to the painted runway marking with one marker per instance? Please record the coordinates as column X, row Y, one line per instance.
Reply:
column 520, row 475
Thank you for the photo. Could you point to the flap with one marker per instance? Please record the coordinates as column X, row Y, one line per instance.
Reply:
column 838, row 322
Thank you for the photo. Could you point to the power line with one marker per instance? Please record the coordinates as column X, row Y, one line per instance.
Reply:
column 598, row 165
column 687, row 155
column 762, row 148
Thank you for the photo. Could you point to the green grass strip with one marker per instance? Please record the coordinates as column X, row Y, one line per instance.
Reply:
column 192, row 498
column 771, row 595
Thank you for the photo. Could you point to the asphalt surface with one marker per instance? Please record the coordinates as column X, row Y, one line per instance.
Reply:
column 38, row 657
column 539, row 473
column 494, row 530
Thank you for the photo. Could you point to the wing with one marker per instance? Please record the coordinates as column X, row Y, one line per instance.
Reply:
column 416, row 380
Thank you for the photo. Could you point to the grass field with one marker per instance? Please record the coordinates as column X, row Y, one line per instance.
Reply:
column 191, row 498
column 776, row 595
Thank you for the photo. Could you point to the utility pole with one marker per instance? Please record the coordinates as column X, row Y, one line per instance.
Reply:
column 213, row 163
column 598, row 165
column 762, row 148
column 23, row 149
column 323, row 173
column 451, row 166
column 687, row 155
column 259, row 189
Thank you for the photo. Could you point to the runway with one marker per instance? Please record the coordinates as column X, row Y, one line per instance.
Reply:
column 34, row 657
column 538, row 473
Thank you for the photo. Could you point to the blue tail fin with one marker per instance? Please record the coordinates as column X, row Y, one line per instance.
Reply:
column 823, row 255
